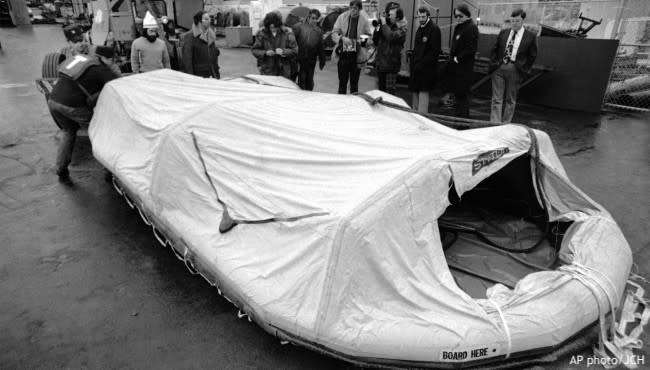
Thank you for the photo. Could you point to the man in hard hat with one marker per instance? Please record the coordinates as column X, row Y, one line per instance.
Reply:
column 81, row 79
column 77, row 44
column 148, row 52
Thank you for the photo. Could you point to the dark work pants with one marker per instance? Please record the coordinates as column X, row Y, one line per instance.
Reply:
column 306, row 75
column 348, row 70
column 462, row 104
column 387, row 81
column 69, row 119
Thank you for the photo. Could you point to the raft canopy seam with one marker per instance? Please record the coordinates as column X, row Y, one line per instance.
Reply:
column 227, row 222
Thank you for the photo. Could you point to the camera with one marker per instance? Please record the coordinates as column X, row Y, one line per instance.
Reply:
column 377, row 22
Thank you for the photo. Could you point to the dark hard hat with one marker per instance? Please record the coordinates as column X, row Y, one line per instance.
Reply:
column 73, row 33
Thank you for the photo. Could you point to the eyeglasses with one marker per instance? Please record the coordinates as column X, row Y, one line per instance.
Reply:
column 458, row 16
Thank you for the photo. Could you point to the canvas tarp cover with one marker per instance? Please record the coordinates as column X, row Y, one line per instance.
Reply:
column 360, row 269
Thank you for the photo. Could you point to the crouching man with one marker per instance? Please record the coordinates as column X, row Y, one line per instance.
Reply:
column 81, row 79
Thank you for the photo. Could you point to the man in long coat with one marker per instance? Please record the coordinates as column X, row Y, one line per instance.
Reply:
column 424, row 60
column 462, row 54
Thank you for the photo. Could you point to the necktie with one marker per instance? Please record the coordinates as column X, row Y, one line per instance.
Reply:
column 509, row 47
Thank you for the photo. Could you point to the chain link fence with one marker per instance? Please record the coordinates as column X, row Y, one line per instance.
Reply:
column 629, row 83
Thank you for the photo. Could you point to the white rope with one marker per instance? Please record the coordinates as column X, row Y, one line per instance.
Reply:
column 505, row 327
column 619, row 344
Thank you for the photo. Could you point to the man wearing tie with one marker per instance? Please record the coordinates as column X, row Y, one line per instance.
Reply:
column 512, row 57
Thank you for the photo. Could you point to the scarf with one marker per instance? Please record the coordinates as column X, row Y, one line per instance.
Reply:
column 208, row 36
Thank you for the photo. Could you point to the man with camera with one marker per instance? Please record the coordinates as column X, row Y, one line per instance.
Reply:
column 389, row 37
column 349, row 29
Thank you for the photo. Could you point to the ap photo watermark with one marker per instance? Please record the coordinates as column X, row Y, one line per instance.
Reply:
column 610, row 362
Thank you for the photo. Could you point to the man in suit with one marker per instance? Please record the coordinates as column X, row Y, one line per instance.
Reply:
column 512, row 57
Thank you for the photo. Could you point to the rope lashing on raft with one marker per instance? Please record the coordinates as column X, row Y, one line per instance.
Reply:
column 617, row 347
column 454, row 122
column 506, row 329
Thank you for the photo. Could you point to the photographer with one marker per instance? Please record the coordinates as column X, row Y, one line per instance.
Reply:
column 389, row 37
column 347, row 32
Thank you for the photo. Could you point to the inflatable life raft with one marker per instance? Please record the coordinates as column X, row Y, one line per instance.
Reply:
column 366, row 232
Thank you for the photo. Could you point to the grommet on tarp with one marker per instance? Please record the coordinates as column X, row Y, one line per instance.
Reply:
column 227, row 223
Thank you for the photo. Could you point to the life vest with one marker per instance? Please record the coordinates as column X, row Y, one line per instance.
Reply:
column 76, row 66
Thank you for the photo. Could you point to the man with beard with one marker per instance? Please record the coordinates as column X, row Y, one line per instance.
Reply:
column 149, row 53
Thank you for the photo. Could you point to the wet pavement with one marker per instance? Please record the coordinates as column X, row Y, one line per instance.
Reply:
column 84, row 284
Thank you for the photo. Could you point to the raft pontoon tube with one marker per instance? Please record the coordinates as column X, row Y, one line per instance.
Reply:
column 365, row 232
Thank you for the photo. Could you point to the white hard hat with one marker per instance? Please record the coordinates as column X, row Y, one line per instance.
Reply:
column 149, row 21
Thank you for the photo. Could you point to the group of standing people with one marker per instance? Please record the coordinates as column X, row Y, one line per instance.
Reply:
column 294, row 53
column 511, row 59
column 199, row 51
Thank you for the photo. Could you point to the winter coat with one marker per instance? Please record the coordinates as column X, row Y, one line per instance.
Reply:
column 340, row 29
column 424, row 60
column 200, row 53
column 389, row 42
column 276, row 65
column 458, row 75
column 310, row 43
